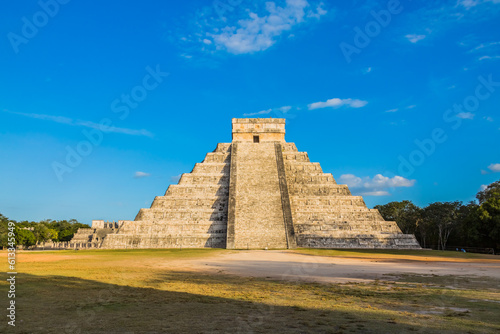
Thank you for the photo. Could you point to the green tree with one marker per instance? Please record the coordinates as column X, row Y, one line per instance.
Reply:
column 41, row 233
column 4, row 231
column 489, row 215
column 52, row 234
column 491, row 191
column 404, row 213
column 25, row 237
column 443, row 217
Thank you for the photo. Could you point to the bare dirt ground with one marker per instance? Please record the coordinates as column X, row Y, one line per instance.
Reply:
column 293, row 266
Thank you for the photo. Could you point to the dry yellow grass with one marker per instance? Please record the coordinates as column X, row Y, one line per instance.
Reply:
column 138, row 292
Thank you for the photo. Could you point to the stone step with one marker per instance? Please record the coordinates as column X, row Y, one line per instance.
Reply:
column 327, row 189
column 184, row 214
column 289, row 147
column 198, row 190
column 223, row 148
column 329, row 227
column 315, row 179
column 217, row 157
column 360, row 241
column 211, row 168
column 174, row 229
column 297, row 156
column 258, row 213
column 129, row 241
column 303, row 167
column 327, row 200
column 173, row 202
column 364, row 216
column 208, row 178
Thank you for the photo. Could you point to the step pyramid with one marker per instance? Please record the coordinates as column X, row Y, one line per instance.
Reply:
column 256, row 192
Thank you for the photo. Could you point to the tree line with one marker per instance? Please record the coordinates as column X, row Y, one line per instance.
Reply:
column 443, row 224
column 30, row 233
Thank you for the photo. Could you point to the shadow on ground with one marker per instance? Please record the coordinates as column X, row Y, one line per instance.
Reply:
column 59, row 304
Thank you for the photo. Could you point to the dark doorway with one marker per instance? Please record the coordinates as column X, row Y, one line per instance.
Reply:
column 255, row 139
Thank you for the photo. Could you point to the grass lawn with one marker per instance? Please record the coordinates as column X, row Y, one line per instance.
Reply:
column 135, row 291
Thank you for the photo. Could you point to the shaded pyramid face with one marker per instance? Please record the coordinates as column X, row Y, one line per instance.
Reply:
column 257, row 191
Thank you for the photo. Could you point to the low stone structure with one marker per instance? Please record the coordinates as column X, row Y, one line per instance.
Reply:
column 256, row 192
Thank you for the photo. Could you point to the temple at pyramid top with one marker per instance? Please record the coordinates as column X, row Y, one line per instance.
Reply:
column 256, row 192
column 258, row 130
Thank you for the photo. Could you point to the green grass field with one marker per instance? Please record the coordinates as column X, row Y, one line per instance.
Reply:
column 135, row 291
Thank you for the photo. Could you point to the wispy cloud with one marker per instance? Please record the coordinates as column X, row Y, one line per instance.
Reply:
column 82, row 123
column 488, row 58
column 280, row 110
column 392, row 110
column 466, row 115
column 413, row 38
column 262, row 112
column 285, row 109
column 468, row 4
column 484, row 45
column 376, row 186
column 337, row 103
column 140, row 175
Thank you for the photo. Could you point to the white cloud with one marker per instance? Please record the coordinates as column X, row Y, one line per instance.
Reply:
column 488, row 118
column 367, row 70
column 465, row 115
column 336, row 103
column 413, row 38
column 285, row 109
column 376, row 193
column 484, row 45
column 375, row 186
column 392, row 110
column 258, row 33
column 262, row 112
column 140, row 175
column 467, row 4
column 411, row 106
column 494, row 167
column 82, row 123
column 488, row 57
column 483, row 187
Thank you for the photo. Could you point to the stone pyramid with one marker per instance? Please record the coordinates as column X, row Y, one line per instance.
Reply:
column 257, row 191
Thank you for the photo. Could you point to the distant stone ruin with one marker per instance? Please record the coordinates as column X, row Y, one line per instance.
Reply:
column 256, row 192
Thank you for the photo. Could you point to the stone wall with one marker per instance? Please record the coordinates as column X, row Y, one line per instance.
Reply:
column 266, row 129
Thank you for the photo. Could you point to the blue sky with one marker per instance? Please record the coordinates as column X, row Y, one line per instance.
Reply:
column 104, row 104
